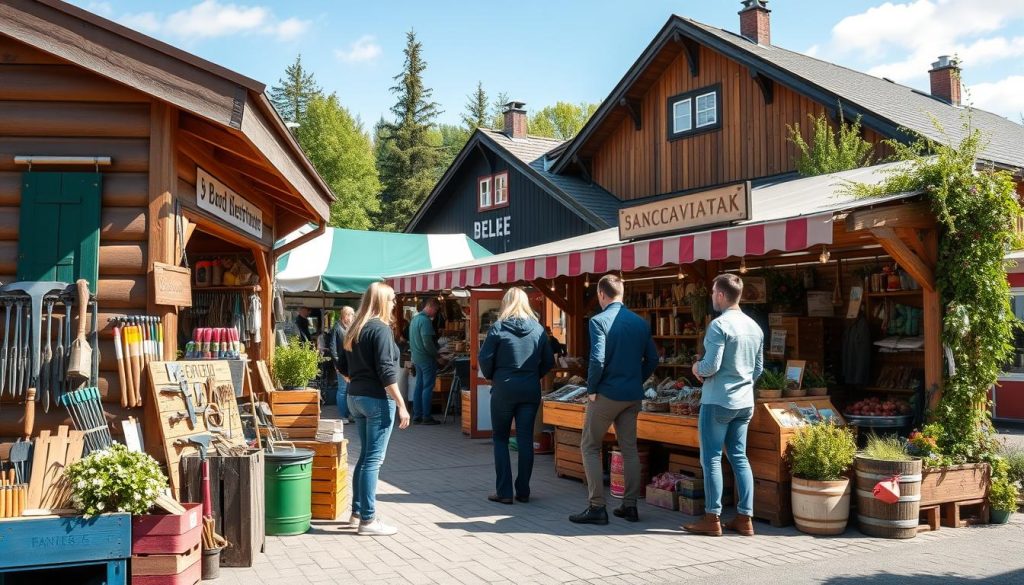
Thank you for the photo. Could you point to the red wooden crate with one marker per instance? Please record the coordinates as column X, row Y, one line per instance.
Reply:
column 167, row 533
column 189, row 576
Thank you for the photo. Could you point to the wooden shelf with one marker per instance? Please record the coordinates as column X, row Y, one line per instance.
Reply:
column 680, row 309
column 252, row 287
column 893, row 293
column 907, row 391
column 688, row 337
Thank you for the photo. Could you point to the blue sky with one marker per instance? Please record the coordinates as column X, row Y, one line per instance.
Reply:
column 571, row 50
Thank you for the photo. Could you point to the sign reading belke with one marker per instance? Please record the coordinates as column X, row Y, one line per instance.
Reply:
column 719, row 206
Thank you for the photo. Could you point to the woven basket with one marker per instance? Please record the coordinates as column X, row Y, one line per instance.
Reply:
column 655, row 406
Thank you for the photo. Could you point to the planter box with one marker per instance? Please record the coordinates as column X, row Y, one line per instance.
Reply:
column 955, row 484
column 662, row 498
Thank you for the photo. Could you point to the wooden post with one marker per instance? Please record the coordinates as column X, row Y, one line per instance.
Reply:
column 163, row 181
column 932, row 323
column 575, row 339
column 264, row 266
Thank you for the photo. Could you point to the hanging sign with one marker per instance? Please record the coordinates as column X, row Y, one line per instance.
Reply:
column 216, row 198
column 719, row 206
column 172, row 285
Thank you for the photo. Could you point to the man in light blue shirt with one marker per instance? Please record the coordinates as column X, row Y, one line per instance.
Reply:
column 733, row 361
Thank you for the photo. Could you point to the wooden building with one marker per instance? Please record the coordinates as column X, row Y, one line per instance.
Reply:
column 98, row 119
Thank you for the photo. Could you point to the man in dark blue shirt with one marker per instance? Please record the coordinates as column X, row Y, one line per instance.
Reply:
column 622, row 357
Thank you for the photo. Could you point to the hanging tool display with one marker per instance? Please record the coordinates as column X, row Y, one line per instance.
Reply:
column 86, row 410
column 138, row 341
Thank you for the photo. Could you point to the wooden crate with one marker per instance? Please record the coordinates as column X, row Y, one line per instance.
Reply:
column 190, row 575
column 52, row 542
column 296, row 412
column 167, row 534
column 467, row 407
column 164, row 565
column 331, row 483
column 236, row 487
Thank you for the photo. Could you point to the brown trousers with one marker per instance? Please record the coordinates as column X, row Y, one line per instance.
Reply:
column 601, row 414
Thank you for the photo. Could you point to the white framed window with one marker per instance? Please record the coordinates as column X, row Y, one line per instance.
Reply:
column 707, row 109
column 682, row 119
column 483, row 191
column 501, row 189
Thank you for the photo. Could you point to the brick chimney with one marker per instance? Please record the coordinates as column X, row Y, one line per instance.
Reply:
column 515, row 119
column 945, row 78
column 755, row 22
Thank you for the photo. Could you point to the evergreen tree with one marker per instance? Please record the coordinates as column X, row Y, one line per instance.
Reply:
column 408, row 157
column 292, row 93
column 452, row 139
column 498, row 111
column 476, row 109
column 343, row 154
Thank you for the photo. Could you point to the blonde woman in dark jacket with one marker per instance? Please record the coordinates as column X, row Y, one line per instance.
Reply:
column 515, row 356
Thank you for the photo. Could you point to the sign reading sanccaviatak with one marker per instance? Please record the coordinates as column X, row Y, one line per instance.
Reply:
column 216, row 198
column 719, row 206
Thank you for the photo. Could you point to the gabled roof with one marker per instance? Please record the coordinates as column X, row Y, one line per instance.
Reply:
column 885, row 106
column 589, row 201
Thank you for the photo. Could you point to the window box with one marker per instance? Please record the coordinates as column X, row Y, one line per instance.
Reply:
column 695, row 112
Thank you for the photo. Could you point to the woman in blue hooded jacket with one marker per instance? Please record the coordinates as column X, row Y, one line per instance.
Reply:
column 515, row 356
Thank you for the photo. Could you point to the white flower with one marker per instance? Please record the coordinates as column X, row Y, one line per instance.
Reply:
column 100, row 505
column 82, row 483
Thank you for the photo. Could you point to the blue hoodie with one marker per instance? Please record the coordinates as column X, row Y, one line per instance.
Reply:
column 515, row 355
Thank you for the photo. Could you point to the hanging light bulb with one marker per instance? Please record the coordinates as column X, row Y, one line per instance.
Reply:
column 743, row 265
column 680, row 275
column 552, row 286
column 586, row 281
column 825, row 255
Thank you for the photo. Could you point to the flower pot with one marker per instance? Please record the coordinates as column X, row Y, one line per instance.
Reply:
column 821, row 507
column 999, row 516
column 876, row 518
column 211, row 563
column 769, row 393
column 823, row 391
column 794, row 392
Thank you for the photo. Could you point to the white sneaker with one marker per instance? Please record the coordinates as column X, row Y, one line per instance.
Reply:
column 353, row 521
column 377, row 527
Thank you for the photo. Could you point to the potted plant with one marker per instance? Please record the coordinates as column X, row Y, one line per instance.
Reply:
column 817, row 383
column 698, row 301
column 770, row 384
column 115, row 480
column 1002, row 498
column 296, row 364
column 882, row 460
column 819, row 455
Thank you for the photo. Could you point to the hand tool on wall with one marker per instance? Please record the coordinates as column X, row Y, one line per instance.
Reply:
column 45, row 382
column 15, row 378
column 30, row 412
column 80, row 363
column 26, row 349
column 94, row 372
column 21, row 454
column 137, row 365
column 67, row 347
column 57, row 375
column 88, row 416
column 3, row 351
column 120, row 367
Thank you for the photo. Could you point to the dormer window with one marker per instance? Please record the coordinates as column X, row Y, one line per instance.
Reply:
column 694, row 112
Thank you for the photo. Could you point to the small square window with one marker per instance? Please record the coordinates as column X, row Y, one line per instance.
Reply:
column 707, row 109
column 501, row 189
column 681, row 116
column 484, row 193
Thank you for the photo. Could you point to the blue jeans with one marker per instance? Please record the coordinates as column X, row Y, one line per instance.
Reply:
column 342, row 394
column 375, row 418
column 423, row 393
column 718, row 425
column 503, row 412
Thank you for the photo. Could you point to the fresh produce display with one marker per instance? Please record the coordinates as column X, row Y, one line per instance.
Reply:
column 876, row 407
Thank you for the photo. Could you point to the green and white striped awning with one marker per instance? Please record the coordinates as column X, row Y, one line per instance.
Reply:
column 347, row 261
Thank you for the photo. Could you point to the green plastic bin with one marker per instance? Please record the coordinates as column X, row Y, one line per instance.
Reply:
column 289, row 476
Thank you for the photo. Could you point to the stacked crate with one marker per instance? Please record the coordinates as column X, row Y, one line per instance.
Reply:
column 691, row 491
column 296, row 412
column 332, row 486
column 568, row 457
column 166, row 548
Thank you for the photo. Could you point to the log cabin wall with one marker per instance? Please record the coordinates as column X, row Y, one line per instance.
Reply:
column 50, row 107
column 752, row 142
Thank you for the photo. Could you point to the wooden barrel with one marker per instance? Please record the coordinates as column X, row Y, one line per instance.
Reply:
column 875, row 517
column 821, row 507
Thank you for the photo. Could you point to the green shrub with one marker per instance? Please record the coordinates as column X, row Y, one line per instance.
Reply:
column 887, row 448
column 770, row 380
column 1014, row 456
column 296, row 364
column 822, row 452
column 814, row 379
column 1002, row 493
column 828, row 152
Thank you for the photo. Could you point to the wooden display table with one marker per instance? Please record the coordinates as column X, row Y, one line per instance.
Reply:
column 767, row 439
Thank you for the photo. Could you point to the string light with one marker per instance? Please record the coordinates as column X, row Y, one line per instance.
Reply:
column 680, row 275
column 586, row 281
column 743, row 265
column 825, row 255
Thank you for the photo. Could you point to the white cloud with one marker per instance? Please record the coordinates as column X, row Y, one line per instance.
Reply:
column 1005, row 97
column 363, row 50
column 212, row 19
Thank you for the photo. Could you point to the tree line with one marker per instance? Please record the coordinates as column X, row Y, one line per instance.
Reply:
column 381, row 176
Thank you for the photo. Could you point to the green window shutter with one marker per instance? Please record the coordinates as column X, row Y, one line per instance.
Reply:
column 59, row 229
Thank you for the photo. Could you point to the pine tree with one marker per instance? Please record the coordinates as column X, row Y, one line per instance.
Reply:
column 476, row 109
column 292, row 93
column 498, row 111
column 408, row 154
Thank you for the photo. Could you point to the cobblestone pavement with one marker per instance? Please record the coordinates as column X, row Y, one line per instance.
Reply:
column 434, row 486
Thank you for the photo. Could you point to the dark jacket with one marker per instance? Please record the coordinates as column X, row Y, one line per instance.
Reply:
column 302, row 324
column 857, row 353
column 622, row 354
column 336, row 343
column 514, row 357
column 373, row 362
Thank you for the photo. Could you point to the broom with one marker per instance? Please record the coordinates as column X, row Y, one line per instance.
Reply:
column 80, row 363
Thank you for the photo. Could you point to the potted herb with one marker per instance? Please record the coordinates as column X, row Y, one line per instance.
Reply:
column 817, row 384
column 819, row 456
column 115, row 480
column 883, row 459
column 296, row 364
column 1003, row 493
column 770, row 384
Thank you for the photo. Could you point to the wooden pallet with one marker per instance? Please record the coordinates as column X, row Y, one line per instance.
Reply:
column 165, row 565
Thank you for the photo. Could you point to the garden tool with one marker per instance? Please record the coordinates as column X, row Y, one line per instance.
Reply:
column 21, row 454
column 94, row 373
column 120, row 366
column 45, row 382
column 26, row 349
column 3, row 351
column 80, row 363
column 137, row 365
column 202, row 442
column 67, row 347
column 57, row 371
column 15, row 358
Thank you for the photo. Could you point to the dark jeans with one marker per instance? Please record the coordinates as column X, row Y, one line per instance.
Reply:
column 423, row 393
column 503, row 411
column 342, row 396
column 375, row 418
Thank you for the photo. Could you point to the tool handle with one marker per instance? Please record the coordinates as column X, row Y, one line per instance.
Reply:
column 82, row 286
column 30, row 412
column 207, row 501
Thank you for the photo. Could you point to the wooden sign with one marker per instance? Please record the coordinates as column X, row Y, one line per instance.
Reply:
column 172, row 285
column 215, row 198
column 719, row 206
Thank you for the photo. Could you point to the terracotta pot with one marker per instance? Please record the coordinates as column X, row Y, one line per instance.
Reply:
column 794, row 393
column 821, row 507
column 769, row 393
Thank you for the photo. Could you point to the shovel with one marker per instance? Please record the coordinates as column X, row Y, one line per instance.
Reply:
column 3, row 352
column 45, row 382
column 80, row 363
column 57, row 371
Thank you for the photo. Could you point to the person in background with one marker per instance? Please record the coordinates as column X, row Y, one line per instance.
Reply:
column 514, row 357
column 622, row 357
column 426, row 358
column 302, row 324
column 337, row 346
column 733, row 361
column 556, row 346
column 370, row 362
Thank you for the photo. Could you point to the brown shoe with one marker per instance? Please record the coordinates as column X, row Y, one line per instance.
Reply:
column 741, row 523
column 709, row 525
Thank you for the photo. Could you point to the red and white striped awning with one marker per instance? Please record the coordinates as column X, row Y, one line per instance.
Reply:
column 784, row 235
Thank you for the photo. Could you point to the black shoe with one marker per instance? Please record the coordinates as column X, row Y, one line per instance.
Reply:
column 591, row 515
column 499, row 499
column 628, row 512
column 417, row 420
column 429, row 420
column 523, row 499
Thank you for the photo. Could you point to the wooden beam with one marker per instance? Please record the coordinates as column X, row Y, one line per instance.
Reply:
column 632, row 107
column 264, row 266
column 219, row 138
column 692, row 51
column 932, row 326
column 163, row 184
column 264, row 181
column 545, row 289
column 913, row 238
column 487, row 156
column 766, row 84
column 914, row 265
column 908, row 215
